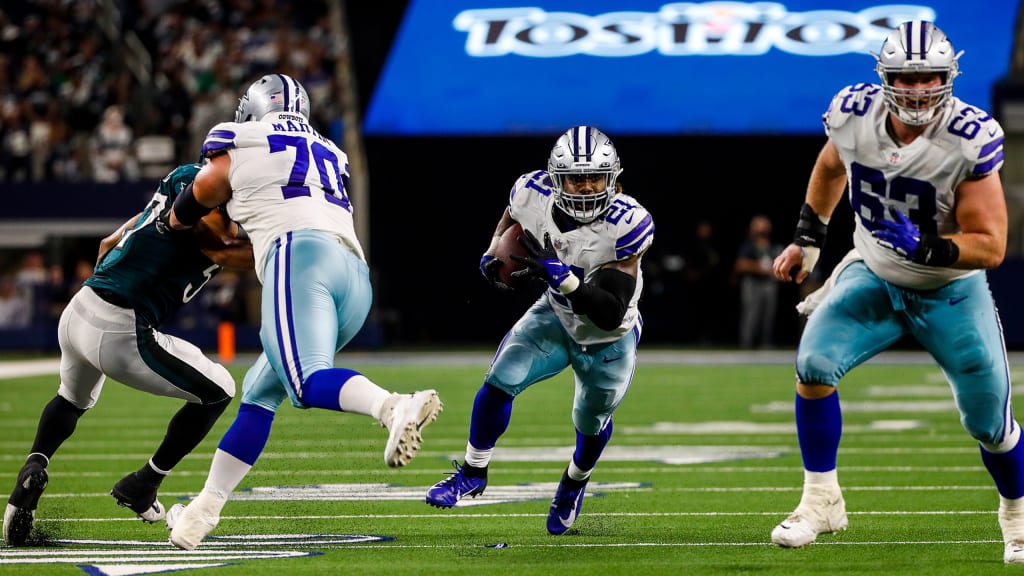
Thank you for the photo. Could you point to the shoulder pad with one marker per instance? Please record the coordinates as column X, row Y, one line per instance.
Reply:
column 530, row 184
column 981, row 138
column 854, row 100
column 634, row 226
column 178, row 179
column 220, row 138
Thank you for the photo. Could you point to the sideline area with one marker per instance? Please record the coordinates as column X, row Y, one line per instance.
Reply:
column 660, row 357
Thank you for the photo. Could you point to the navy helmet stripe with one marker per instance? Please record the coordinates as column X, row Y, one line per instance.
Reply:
column 583, row 151
column 909, row 41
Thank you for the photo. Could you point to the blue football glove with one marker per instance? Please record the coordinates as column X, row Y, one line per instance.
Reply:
column 900, row 235
column 489, row 266
column 543, row 263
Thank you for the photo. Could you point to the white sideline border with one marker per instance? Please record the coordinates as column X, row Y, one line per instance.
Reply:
column 653, row 357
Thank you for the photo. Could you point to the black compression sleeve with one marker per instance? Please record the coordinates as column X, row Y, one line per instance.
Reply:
column 187, row 209
column 605, row 299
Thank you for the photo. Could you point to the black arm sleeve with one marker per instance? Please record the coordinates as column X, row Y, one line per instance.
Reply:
column 606, row 299
column 187, row 208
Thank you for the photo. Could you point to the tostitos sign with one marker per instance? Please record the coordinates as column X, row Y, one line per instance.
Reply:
column 649, row 67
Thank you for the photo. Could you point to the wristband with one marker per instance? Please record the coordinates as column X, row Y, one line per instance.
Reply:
column 811, row 229
column 570, row 284
column 936, row 251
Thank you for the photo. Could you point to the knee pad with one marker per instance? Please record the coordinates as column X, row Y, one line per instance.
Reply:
column 819, row 368
column 1008, row 443
column 981, row 414
column 593, row 408
column 511, row 369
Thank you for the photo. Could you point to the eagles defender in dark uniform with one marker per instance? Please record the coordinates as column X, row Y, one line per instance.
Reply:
column 143, row 275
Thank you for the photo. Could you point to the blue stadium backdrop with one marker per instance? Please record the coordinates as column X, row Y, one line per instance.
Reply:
column 478, row 67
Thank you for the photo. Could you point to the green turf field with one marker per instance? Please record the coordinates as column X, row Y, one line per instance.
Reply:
column 702, row 465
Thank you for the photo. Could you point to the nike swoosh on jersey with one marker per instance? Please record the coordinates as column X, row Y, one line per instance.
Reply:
column 954, row 300
column 608, row 360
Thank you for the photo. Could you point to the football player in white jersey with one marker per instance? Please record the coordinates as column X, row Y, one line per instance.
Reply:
column 922, row 168
column 286, row 186
column 585, row 240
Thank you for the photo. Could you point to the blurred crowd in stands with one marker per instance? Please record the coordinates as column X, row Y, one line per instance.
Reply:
column 33, row 293
column 118, row 91
column 123, row 90
column 106, row 91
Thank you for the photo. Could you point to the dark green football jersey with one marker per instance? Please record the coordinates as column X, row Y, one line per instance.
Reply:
column 156, row 272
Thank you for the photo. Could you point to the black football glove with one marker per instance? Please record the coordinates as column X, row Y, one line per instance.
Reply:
column 543, row 262
column 489, row 266
column 163, row 221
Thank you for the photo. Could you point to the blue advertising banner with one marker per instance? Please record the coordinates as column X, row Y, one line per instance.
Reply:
column 482, row 67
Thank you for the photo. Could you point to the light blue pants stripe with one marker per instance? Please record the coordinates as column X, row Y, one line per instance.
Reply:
column 316, row 296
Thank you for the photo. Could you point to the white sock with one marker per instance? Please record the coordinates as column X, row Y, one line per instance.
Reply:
column 830, row 478
column 478, row 458
column 361, row 396
column 1015, row 505
column 576, row 473
column 226, row 473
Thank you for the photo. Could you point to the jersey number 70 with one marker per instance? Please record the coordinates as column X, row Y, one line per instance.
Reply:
column 333, row 182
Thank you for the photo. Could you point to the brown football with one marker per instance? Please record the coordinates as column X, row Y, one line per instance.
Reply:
column 509, row 246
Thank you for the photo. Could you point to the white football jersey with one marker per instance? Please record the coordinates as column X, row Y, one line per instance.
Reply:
column 284, row 177
column 920, row 179
column 625, row 230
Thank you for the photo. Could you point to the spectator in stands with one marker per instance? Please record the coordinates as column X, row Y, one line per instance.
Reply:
column 759, row 292
column 113, row 158
column 15, row 311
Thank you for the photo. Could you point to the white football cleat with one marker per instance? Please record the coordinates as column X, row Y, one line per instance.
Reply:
column 1013, row 553
column 1011, row 522
column 190, row 524
column 173, row 514
column 405, row 416
column 821, row 510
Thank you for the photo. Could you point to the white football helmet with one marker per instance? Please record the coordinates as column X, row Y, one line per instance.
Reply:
column 583, row 150
column 272, row 93
column 917, row 46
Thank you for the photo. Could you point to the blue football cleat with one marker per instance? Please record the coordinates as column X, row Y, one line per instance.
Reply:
column 455, row 487
column 566, row 505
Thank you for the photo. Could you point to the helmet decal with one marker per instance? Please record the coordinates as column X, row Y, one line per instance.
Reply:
column 272, row 93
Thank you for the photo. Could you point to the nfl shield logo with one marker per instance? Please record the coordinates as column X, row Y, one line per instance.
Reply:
column 895, row 158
